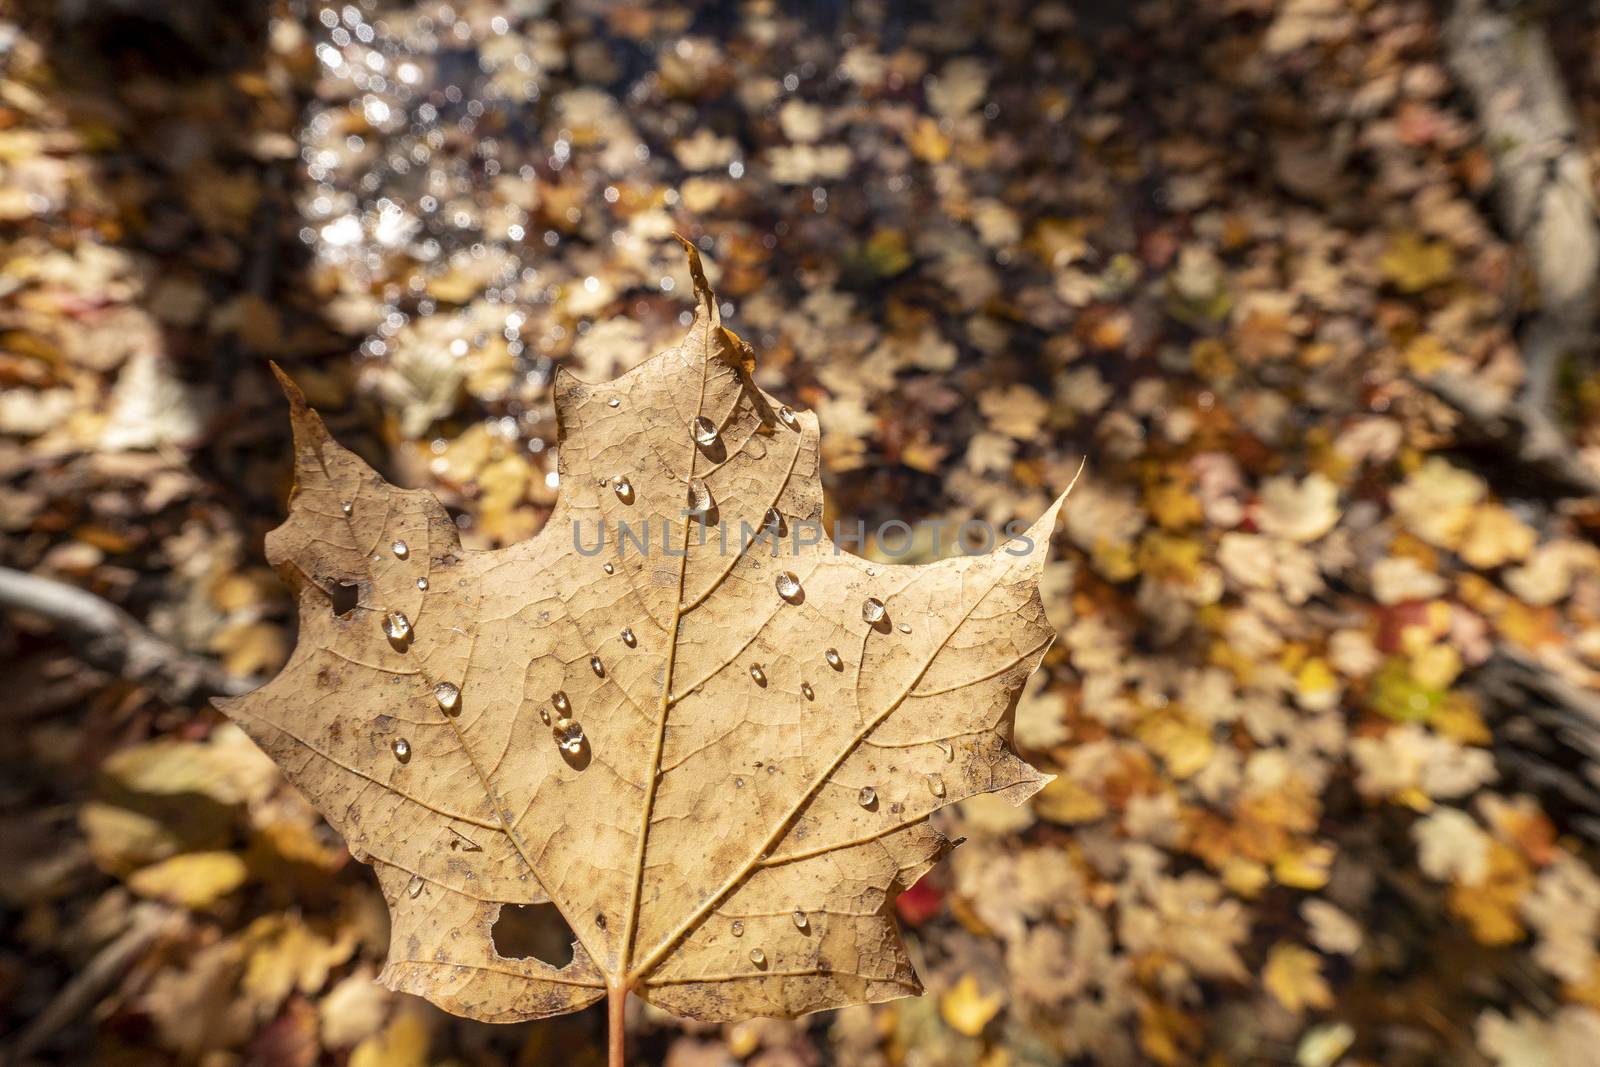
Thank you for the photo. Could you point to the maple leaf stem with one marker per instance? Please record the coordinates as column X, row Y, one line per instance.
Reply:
column 616, row 1028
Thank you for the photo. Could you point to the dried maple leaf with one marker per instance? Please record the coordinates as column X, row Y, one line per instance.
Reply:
column 717, row 762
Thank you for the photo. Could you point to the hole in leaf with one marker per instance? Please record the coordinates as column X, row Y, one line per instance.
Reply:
column 535, row 931
column 344, row 596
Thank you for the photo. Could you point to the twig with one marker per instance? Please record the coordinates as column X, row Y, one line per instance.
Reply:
column 108, row 638
column 1519, row 429
column 146, row 923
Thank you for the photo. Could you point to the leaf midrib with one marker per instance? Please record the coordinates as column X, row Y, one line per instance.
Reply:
column 664, row 707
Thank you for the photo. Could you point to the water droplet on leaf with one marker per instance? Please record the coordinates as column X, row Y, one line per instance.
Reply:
column 758, row 675
column 623, row 488
column 608, row 568
column 800, row 920
column 414, row 887
column 788, row 585
column 705, row 431
column 400, row 550
column 807, row 691
column 699, row 496
column 786, row 414
column 936, row 785
column 448, row 696
column 738, row 928
column 596, row 666
column 832, row 656
column 560, row 702
column 867, row 797
column 872, row 610
column 628, row 638
column 758, row 957
column 346, row 507
column 614, row 403
column 569, row 735
column 905, row 628
column 422, row 583
column 401, row 749
column 396, row 626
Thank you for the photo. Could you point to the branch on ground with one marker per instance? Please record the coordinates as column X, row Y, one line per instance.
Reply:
column 1521, row 430
column 1505, row 63
column 109, row 639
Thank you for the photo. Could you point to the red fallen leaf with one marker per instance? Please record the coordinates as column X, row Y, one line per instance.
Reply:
column 1393, row 622
column 920, row 903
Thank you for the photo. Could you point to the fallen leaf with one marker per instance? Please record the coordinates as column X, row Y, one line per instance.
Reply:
column 197, row 1009
column 288, row 956
column 403, row 1043
column 967, row 1008
column 193, row 880
column 1330, row 929
column 1302, row 512
column 1452, row 847
column 719, row 766
column 1492, row 906
column 1414, row 263
column 1322, row 1046
column 1293, row 976
column 354, row 1009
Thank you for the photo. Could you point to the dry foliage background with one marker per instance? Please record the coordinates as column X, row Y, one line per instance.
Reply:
column 1323, row 704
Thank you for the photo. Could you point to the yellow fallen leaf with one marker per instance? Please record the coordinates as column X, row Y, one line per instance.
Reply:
column 193, row 880
column 1426, row 355
column 1293, row 976
column 1457, row 718
column 1174, row 504
column 744, row 1039
column 1168, row 1035
column 1068, row 802
column 967, row 1009
column 1491, row 907
column 1495, row 537
column 1414, row 263
column 1244, row 877
column 1304, row 866
column 1183, row 744
column 1435, row 666
column 249, row 648
column 927, row 142
column 1316, row 686
column 289, row 956
column 403, row 1043
column 1114, row 560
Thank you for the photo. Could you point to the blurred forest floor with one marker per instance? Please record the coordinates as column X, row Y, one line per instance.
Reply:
column 1324, row 703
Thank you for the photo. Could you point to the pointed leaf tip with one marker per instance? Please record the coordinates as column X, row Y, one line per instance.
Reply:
column 697, row 271
column 1053, row 513
column 291, row 391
